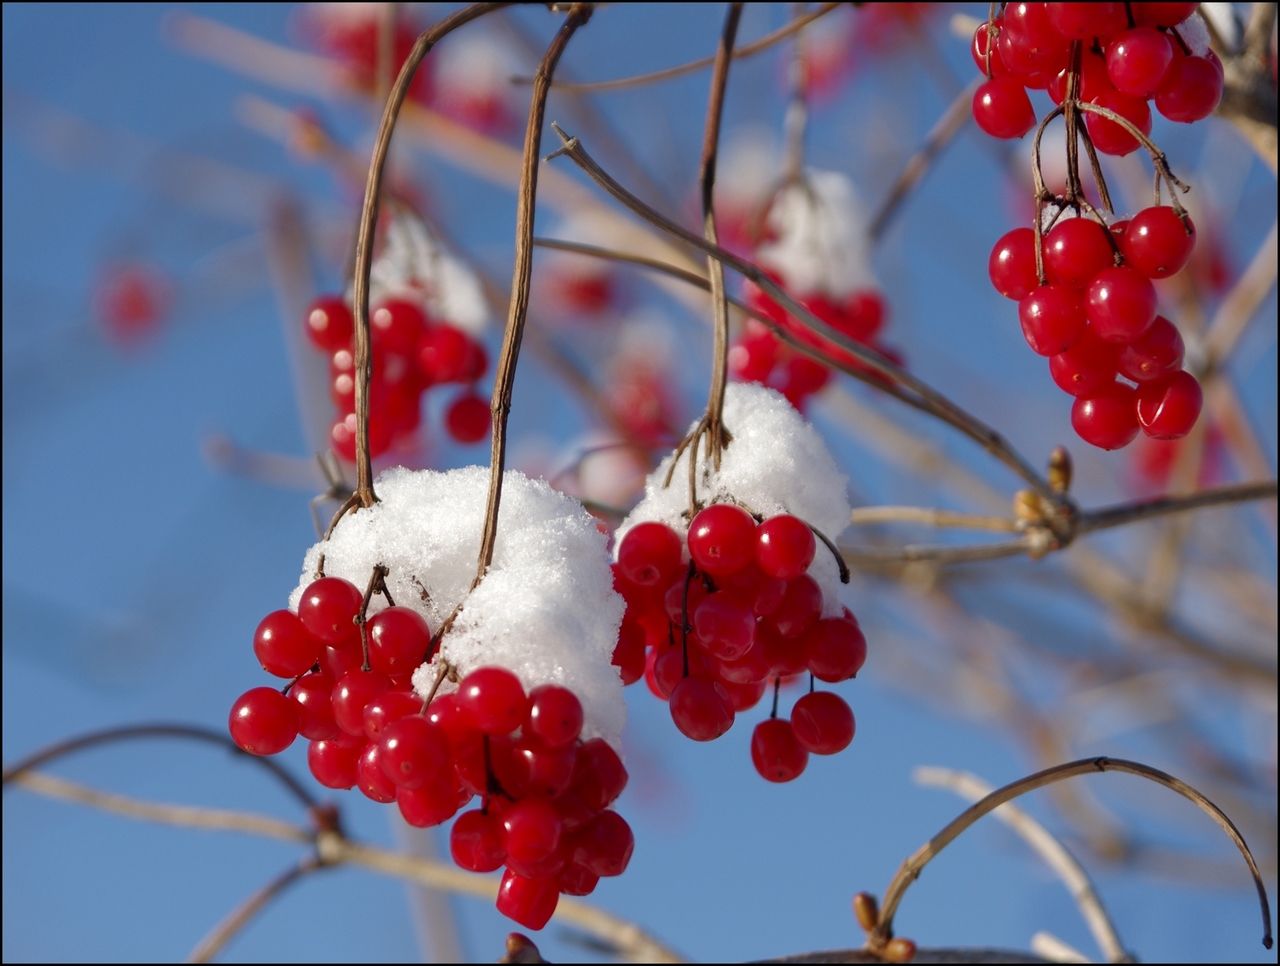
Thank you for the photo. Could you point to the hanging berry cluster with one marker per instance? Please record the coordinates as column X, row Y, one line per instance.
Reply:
column 424, row 320
column 1083, row 278
column 1130, row 54
column 815, row 246
column 393, row 710
column 728, row 606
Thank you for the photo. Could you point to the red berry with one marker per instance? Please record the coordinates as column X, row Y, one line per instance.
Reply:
column 555, row 715
column 784, row 546
column 414, row 751
column 354, row 690
column 429, row 805
column 311, row 693
column 447, row 354
column 1075, row 250
column 651, row 555
column 330, row 325
column 1157, row 243
column 800, row 608
column 604, row 844
column 1012, row 265
column 864, row 314
column 1192, row 88
column 328, row 609
column 536, row 768
column 1156, row 354
column 628, row 653
column 835, row 649
column 387, row 707
column 335, row 762
column 533, row 829
column 700, row 709
column 1084, row 21
column 396, row 325
column 775, row 752
column 722, row 539
column 1169, row 409
column 1120, row 304
column 467, row 418
column 476, row 842
column 752, row 357
column 370, row 777
column 1138, row 59
column 530, row 901
column 1052, row 318
column 398, row 640
column 1087, row 367
column 725, row 625
column 1002, row 109
column 263, row 721
column 598, row 775
column 577, row 880
column 1109, row 137
column 823, row 722
column 984, row 40
column 1093, row 79
column 1108, row 419
column 1031, row 41
column 283, row 645
column 492, row 700
column 1162, row 14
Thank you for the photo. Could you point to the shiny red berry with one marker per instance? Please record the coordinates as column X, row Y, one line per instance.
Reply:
column 1002, row 109
column 1012, row 265
column 263, row 721
column 722, row 539
column 1158, row 353
column 1157, row 242
column 823, row 722
column 1075, row 250
column 1169, row 409
column 1120, row 304
column 493, row 700
column 776, row 753
column 1108, row 419
column 328, row 609
column 651, row 555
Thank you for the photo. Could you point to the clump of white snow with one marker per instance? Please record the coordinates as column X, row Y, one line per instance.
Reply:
column 546, row 609
column 820, row 243
column 776, row 463
column 1195, row 32
column 413, row 265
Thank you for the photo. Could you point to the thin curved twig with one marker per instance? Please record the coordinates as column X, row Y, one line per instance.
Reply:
column 159, row 730
column 739, row 53
column 939, row 405
column 243, row 914
column 915, row 864
column 1054, row 853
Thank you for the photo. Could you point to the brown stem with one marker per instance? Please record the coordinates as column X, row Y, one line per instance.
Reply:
column 715, row 270
column 243, row 914
column 940, row 135
column 914, row 865
column 1158, row 157
column 364, row 494
column 938, row 404
column 190, row 732
column 746, row 50
column 522, row 274
column 1125, row 513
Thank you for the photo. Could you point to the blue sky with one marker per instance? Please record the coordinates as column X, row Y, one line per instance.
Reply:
column 135, row 572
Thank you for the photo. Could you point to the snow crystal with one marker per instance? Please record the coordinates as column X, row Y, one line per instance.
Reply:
column 546, row 609
column 776, row 463
column 482, row 64
column 1195, row 32
column 820, row 241
column 413, row 265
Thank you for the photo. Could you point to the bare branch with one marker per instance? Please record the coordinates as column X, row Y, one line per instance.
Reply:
column 243, row 914
column 1053, row 852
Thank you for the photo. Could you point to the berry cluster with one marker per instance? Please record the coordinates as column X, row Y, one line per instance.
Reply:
column 709, row 633
column 1130, row 54
column 1094, row 315
column 758, row 355
column 544, row 791
column 412, row 352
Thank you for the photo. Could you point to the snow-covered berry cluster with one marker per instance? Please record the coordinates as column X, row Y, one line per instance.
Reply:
column 426, row 314
column 1130, row 55
column 512, row 700
column 741, row 597
column 816, row 248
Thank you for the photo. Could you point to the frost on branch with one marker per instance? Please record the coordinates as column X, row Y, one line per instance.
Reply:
column 546, row 609
column 777, row 463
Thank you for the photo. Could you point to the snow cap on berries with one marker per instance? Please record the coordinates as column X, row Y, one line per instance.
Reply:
column 776, row 463
column 413, row 265
column 820, row 243
column 546, row 609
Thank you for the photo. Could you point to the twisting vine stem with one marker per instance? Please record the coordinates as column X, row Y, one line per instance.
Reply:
column 364, row 495
column 715, row 270
column 522, row 274
column 910, row 870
